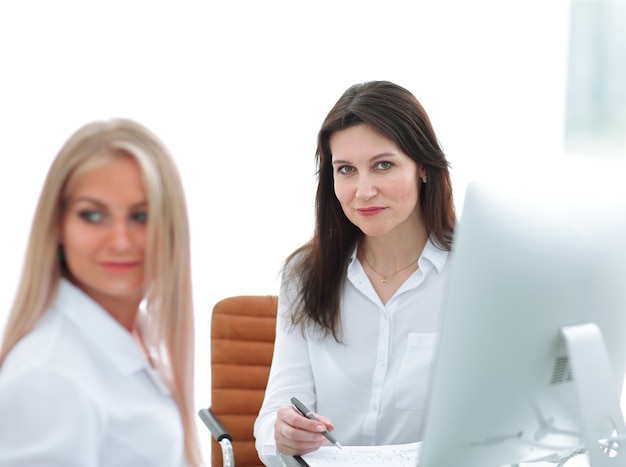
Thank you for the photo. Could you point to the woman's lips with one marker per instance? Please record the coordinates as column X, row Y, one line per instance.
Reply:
column 367, row 212
column 119, row 267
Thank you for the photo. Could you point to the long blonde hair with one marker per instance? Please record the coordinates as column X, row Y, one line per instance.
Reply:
column 168, row 327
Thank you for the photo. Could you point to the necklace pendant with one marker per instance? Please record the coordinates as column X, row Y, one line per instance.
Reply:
column 383, row 281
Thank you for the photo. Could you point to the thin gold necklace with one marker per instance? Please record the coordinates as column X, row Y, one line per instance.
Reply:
column 386, row 278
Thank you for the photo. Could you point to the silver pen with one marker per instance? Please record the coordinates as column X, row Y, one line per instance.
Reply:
column 300, row 407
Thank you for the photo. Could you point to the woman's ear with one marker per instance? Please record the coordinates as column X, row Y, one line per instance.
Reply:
column 60, row 219
column 60, row 249
column 422, row 173
column 60, row 253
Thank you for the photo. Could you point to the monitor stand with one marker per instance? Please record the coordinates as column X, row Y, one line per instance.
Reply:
column 598, row 396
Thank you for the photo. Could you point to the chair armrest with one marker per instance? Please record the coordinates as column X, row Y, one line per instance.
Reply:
column 220, row 434
column 213, row 424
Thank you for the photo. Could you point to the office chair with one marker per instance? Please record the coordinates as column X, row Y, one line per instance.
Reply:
column 242, row 343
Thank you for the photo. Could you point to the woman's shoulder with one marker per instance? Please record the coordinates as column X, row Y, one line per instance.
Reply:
column 53, row 346
column 295, row 265
column 45, row 396
column 45, row 367
column 298, row 256
column 36, row 346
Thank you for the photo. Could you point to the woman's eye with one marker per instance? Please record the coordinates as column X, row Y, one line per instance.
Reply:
column 384, row 165
column 92, row 217
column 345, row 169
column 140, row 217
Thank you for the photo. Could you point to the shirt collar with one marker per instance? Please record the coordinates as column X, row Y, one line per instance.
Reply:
column 431, row 254
column 435, row 255
column 99, row 328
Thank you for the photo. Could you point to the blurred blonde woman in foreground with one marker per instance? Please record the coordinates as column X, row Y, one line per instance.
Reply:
column 88, row 377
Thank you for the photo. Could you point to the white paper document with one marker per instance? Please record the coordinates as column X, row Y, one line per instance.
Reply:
column 396, row 455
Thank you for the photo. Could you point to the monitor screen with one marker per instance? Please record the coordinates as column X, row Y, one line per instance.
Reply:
column 532, row 348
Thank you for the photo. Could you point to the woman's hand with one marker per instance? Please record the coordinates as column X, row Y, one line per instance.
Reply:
column 295, row 434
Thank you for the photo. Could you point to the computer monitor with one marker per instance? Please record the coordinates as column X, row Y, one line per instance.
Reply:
column 532, row 350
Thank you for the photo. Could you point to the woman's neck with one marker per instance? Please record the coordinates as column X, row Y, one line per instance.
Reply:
column 391, row 252
column 389, row 262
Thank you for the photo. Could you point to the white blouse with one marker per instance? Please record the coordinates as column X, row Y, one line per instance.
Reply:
column 77, row 391
column 373, row 386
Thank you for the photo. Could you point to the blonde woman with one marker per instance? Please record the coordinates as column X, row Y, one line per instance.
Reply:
column 96, row 364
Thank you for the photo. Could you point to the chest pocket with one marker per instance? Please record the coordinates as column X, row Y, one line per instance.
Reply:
column 415, row 371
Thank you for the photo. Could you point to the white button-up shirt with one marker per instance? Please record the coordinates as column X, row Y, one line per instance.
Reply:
column 373, row 386
column 77, row 391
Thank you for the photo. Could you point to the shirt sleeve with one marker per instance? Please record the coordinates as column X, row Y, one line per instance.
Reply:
column 290, row 375
column 47, row 420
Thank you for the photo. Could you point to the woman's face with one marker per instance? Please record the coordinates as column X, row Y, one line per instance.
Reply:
column 375, row 182
column 103, row 233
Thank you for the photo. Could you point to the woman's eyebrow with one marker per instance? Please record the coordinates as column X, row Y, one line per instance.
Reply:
column 382, row 155
column 101, row 204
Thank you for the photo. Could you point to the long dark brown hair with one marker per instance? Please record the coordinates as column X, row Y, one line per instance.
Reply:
column 319, row 267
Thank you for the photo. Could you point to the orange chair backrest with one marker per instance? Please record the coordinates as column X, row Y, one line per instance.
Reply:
column 242, row 344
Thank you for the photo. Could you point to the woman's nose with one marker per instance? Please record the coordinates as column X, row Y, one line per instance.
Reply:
column 366, row 188
column 120, row 234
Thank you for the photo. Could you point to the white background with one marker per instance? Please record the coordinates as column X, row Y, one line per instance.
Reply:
column 237, row 90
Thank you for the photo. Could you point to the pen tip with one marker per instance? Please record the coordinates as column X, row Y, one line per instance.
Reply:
column 338, row 445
